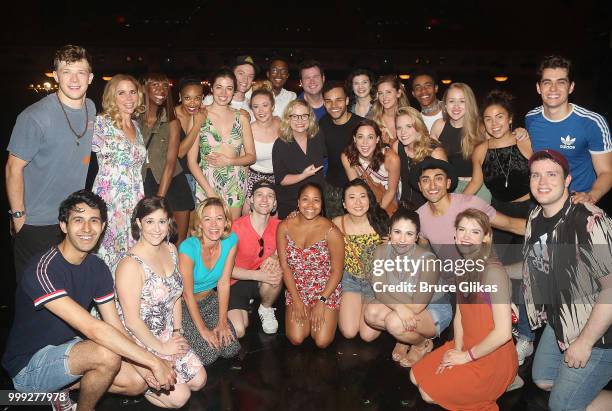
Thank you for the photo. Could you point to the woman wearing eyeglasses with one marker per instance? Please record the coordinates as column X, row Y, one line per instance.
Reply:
column 297, row 155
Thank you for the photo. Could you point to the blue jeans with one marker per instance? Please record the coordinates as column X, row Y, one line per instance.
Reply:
column 523, row 328
column 573, row 388
column 47, row 370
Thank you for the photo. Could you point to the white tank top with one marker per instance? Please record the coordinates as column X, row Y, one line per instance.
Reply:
column 263, row 153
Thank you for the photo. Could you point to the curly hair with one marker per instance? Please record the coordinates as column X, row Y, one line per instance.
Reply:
column 109, row 98
column 402, row 100
column 424, row 145
column 71, row 54
column 196, row 230
column 82, row 196
column 498, row 98
column 470, row 134
column 554, row 62
column 352, row 153
column 377, row 217
column 148, row 205
column 286, row 133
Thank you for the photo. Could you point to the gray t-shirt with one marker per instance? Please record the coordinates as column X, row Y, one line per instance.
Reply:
column 57, row 166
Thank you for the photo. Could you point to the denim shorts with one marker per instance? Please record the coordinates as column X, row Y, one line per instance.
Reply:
column 573, row 388
column 357, row 285
column 441, row 312
column 47, row 370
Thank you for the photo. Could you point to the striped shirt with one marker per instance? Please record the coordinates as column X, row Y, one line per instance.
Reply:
column 46, row 278
column 577, row 136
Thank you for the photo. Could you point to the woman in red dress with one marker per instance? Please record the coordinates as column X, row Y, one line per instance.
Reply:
column 473, row 371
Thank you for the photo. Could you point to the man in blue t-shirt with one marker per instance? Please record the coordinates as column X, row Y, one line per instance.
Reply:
column 49, row 154
column 54, row 341
column 311, row 80
column 582, row 136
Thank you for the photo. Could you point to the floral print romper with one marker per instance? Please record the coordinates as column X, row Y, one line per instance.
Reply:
column 157, row 299
column 229, row 182
column 119, row 183
column 311, row 268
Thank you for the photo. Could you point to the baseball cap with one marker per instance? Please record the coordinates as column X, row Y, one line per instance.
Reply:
column 240, row 60
column 552, row 155
column 263, row 184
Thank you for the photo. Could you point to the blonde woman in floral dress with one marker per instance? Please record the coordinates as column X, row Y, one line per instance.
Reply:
column 225, row 147
column 149, row 287
column 120, row 150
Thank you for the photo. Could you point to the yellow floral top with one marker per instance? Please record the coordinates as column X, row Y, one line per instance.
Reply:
column 358, row 253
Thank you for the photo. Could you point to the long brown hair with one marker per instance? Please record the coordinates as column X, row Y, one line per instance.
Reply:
column 378, row 157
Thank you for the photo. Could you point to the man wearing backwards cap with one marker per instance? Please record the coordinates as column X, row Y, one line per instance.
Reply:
column 256, row 273
column 567, row 276
column 245, row 70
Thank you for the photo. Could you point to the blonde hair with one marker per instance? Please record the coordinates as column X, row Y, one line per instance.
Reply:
column 471, row 134
column 109, row 98
column 286, row 133
column 196, row 230
column 424, row 145
column 402, row 100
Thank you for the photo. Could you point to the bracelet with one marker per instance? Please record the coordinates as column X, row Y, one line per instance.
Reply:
column 178, row 330
column 471, row 355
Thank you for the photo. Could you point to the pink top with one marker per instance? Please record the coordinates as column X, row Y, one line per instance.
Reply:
column 440, row 230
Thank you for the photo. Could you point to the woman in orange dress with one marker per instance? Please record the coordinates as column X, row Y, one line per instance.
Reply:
column 473, row 371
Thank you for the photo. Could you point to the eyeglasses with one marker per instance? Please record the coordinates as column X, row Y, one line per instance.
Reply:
column 261, row 248
column 302, row 117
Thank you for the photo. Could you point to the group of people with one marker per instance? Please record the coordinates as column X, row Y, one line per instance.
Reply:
column 320, row 195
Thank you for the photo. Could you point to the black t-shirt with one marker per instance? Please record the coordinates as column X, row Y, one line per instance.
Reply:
column 288, row 158
column 336, row 139
column 47, row 277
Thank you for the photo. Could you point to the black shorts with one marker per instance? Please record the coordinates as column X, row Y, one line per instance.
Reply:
column 179, row 194
column 241, row 294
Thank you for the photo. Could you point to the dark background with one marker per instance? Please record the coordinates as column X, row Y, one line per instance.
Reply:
column 468, row 41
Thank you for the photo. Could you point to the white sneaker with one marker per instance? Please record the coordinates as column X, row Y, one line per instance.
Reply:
column 516, row 384
column 268, row 319
column 63, row 405
column 524, row 349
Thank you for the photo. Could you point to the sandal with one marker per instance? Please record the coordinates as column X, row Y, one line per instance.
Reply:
column 416, row 353
column 399, row 351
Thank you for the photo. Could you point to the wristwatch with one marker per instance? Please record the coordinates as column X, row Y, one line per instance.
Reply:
column 178, row 330
column 16, row 214
column 323, row 299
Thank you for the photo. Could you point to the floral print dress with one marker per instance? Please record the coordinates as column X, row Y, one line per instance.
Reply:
column 119, row 183
column 229, row 182
column 311, row 268
column 157, row 299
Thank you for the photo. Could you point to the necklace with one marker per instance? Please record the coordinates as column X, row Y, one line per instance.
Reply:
column 433, row 108
column 77, row 135
column 507, row 173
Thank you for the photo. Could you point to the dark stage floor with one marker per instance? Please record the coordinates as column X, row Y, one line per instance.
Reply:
column 271, row 374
